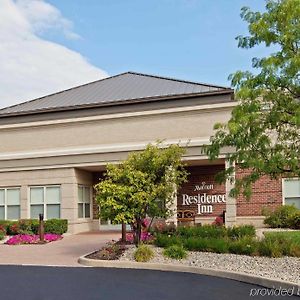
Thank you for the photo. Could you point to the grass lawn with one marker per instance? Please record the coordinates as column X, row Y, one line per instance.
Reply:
column 291, row 235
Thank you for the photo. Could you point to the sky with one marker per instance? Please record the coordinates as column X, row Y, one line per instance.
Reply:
column 50, row 45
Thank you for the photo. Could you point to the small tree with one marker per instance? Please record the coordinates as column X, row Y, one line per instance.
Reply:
column 141, row 186
column 264, row 129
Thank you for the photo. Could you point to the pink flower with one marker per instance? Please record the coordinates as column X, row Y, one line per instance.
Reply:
column 145, row 237
column 21, row 239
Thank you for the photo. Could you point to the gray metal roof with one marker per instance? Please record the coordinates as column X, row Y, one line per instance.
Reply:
column 121, row 88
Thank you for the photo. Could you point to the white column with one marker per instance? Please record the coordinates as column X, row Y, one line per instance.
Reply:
column 24, row 202
column 230, row 218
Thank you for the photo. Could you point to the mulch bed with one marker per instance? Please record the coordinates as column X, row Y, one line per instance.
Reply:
column 111, row 251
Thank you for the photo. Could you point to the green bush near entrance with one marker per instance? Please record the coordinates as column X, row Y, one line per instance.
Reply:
column 57, row 226
column 31, row 226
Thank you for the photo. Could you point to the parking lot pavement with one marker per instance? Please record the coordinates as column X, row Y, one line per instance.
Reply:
column 57, row 283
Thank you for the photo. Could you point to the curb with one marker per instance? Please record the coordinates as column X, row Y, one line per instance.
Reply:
column 238, row 276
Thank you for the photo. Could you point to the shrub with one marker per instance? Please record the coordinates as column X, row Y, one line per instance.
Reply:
column 28, row 226
column 238, row 232
column 13, row 228
column 57, row 226
column 295, row 250
column 243, row 246
column 163, row 240
column 143, row 253
column 269, row 248
column 218, row 246
column 5, row 224
column 206, row 244
column 281, row 217
column 175, row 252
column 294, row 221
column 205, row 231
column 160, row 226
column 196, row 244
column 31, row 226
column 3, row 229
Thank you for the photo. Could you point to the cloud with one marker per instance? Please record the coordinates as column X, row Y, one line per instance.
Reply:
column 31, row 66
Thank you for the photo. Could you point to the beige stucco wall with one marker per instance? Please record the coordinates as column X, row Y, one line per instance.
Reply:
column 50, row 151
column 80, row 141
column 181, row 125
column 67, row 178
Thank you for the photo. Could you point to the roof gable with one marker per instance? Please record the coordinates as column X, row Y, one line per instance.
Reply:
column 123, row 88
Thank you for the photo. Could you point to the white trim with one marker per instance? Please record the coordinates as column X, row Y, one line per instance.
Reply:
column 88, row 164
column 90, row 202
column 122, row 115
column 282, row 187
column 5, row 199
column 108, row 148
column 45, row 203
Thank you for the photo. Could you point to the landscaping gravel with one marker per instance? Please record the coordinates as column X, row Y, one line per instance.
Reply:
column 285, row 268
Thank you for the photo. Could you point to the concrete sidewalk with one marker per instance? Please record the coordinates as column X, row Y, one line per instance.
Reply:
column 64, row 252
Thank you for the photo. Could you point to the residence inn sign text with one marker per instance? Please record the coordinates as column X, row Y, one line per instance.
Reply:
column 203, row 201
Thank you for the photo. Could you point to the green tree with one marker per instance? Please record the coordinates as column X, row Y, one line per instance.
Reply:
column 264, row 127
column 141, row 186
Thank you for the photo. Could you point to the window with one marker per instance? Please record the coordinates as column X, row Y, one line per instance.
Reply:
column 84, row 202
column 10, row 203
column 291, row 192
column 45, row 200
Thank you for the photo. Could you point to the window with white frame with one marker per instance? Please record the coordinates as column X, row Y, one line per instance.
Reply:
column 45, row 200
column 84, row 201
column 291, row 192
column 10, row 203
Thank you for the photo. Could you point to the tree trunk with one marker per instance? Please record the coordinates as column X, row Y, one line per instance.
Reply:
column 123, row 233
column 137, row 232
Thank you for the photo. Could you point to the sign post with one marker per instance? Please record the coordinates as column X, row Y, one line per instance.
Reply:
column 41, row 228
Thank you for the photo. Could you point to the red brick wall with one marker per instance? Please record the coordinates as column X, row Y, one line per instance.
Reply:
column 199, row 174
column 265, row 193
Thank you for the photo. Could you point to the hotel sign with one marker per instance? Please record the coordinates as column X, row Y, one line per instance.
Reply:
column 204, row 202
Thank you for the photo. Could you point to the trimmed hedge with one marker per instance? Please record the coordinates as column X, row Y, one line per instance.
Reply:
column 58, row 226
column 31, row 226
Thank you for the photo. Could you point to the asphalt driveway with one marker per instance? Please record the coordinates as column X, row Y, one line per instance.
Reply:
column 64, row 252
column 63, row 283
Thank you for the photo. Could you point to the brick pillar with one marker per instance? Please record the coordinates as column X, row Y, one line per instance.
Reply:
column 230, row 219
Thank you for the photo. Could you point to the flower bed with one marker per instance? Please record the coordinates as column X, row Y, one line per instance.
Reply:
column 22, row 239
column 111, row 251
